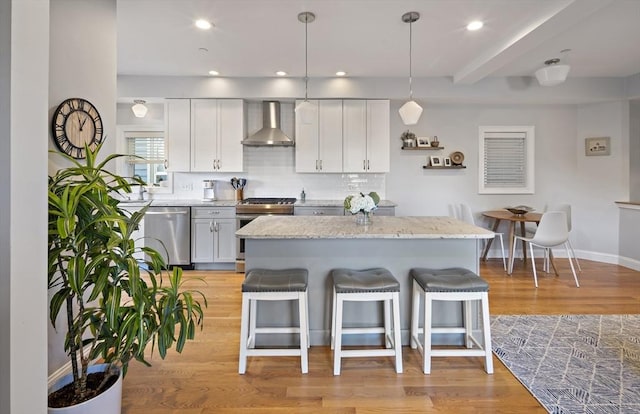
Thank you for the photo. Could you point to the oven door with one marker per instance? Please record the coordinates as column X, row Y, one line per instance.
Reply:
column 241, row 221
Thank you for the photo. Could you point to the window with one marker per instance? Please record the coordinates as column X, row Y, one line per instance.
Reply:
column 149, row 146
column 506, row 160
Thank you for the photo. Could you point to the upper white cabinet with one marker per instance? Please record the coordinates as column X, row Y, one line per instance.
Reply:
column 345, row 136
column 366, row 136
column 319, row 143
column 215, row 129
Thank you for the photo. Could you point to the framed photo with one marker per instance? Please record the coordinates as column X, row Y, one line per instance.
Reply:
column 436, row 161
column 423, row 142
column 597, row 146
column 447, row 162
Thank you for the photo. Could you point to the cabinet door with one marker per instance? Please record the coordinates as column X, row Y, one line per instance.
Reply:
column 385, row 211
column 307, row 158
column 319, row 211
column 330, row 136
column 224, row 241
column 202, row 239
column 355, row 135
column 378, row 136
column 177, row 116
column 230, row 135
column 204, row 134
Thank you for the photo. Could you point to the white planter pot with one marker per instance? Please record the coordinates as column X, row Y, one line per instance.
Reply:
column 109, row 402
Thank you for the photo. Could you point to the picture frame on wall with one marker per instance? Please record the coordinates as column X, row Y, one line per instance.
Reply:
column 436, row 161
column 447, row 162
column 423, row 142
column 597, row 146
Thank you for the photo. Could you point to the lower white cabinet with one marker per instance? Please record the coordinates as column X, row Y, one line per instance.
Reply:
column 213, row 238
column 318, row 211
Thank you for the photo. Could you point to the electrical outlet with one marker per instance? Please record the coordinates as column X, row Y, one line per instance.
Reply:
column 187, row 187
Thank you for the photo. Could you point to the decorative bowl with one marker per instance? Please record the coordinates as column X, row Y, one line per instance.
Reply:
column 519, row 210
column 456, row 158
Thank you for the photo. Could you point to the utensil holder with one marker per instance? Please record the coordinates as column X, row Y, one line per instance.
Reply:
column 239, row 194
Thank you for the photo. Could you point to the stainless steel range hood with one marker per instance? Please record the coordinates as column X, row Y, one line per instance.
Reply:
column 270, row 134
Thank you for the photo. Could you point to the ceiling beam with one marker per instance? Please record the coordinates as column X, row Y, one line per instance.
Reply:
column 541, row 29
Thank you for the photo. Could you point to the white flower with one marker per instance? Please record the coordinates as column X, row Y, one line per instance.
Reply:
column 361, row 202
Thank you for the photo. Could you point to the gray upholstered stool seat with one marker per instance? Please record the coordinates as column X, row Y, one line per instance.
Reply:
column 453, row 284
column 455, row 279
column 377, row 284
column 273, row 285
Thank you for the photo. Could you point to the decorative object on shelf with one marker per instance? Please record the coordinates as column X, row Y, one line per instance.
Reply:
column 519, row 210
column 447, row 162
column 434, row 142
column 139, row 109
column 597, row 146
column 362, row 205
column 436, row 161
column 410, row 112
column 456, row 158
column 423, row 142
column 76, row 125
column 305, row 108
column 408, row 139
column 553, row 73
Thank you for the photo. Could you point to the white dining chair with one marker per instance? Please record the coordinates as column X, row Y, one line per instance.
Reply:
column 466, row 215
column 552, row 231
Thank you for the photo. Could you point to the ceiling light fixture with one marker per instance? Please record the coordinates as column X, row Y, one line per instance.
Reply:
column 281, row 73
column 341, row 73
column 306, row 109
column 553, row 73
column 410, row 112
column 214, row 73
column 139, row 109
column 203, row 24
column 475, row 25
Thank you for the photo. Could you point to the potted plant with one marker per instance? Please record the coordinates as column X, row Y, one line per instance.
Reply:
column 114, row 305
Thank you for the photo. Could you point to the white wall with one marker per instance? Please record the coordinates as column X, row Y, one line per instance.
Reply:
column 24, row 46
column 82, row 66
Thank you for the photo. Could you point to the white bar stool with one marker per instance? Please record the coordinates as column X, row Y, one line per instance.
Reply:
column 454, row 284
column 267, row 284
column 359, row 286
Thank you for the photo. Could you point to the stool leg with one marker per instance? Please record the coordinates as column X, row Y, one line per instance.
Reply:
column 244, row 334
column 387, row 324
column 397, row 340
column 415, row 315
column 306, row 301
column 337, row 352
column 333, row 319
column 253, row 315
column 304, row 332
column 468, row 324
column 486, row 328
column 426, row 353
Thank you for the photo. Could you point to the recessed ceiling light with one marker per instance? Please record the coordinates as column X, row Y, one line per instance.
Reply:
column 203, row 24
column 475, row 25
column 341, row 73
column 281, row 73
column 214, row 73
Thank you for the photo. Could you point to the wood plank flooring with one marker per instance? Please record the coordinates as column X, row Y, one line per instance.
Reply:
column 205, row 379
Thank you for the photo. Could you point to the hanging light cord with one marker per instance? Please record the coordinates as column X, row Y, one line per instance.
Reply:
column 306, row 65
column 410, row 63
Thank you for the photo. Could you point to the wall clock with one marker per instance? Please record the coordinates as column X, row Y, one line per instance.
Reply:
column 76, row 123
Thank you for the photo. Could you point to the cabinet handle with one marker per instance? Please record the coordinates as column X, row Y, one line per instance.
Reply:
column 218, row 164
column 364, row 164
column 215, row 226
column 320, row 165
column 214, row 212
column 166, row 164
column 316, row 165
column 368, row 165
column 318, row 213
column 211, row 226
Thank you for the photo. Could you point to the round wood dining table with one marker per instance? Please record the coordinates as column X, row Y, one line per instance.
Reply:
column 504, row 215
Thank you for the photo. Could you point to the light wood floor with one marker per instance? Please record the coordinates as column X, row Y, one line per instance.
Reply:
column 204, row 379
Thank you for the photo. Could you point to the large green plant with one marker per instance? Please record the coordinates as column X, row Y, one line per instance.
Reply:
column 115, row 305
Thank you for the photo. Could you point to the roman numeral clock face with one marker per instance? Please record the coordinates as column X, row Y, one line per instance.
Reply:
column 76, row 123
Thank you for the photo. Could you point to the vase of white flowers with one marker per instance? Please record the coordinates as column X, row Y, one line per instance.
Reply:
column 362, row 205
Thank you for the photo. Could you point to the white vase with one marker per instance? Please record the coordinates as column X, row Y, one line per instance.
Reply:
column 109, row 402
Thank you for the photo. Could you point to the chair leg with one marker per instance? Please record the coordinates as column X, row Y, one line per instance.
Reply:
column 426, row 350
column 486, row 329
column 573, row 253
column 468, row 324
column 573, row 270
column 513, row 249
column 304, row 331
column 504, row 260
column 253, row 315
column 337, row 351
column 333, row 319
column 397, row 340
column 533, row 264
column 244, row 334
column 415, row 315
column 387, row 323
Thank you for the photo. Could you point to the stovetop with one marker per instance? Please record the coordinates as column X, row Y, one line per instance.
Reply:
column 266, row 200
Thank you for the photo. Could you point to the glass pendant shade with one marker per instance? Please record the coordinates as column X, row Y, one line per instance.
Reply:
column 306, row 111
column 410, row 113
column 552, row 75
column 139, row 109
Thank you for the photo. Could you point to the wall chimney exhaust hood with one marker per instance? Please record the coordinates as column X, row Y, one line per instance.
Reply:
column 270, row 134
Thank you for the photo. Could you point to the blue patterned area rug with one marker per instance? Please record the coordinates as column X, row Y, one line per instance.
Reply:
column 573, row 363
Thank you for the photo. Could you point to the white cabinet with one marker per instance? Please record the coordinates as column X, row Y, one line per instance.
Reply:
column 204, row 135
column 213, row 237
column 318, row 211
column 319, row 144
column 177, row 119
column 366, row 136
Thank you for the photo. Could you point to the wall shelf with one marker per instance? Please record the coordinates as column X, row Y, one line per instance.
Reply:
column 422, row 148
column 453, row 167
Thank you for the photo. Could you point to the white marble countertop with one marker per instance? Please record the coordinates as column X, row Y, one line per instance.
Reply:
column 345, row 227
column 178, row 203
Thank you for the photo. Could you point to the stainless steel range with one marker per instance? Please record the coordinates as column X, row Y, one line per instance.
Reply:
column 251, row 208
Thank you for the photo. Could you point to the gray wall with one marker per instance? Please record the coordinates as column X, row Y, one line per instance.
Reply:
column 634, row 150
column 24, row 45
column 82, row 66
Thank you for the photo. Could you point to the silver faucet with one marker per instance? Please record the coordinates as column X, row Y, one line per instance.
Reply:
column 141, row 189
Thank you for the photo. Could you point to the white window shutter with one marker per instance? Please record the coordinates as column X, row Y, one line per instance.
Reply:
column 506, row 160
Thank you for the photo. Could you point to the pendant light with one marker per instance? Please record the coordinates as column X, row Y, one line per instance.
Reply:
column 410, row 112
column 305, row 109
column 139, row 109
column 554, row 72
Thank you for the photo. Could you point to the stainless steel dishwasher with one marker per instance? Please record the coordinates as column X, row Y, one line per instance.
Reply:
column 172, row 227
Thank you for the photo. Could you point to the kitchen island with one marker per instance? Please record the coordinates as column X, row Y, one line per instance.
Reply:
column 321, row 244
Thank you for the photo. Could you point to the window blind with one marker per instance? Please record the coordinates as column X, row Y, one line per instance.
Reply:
column 505, row 159
column 149, row 146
